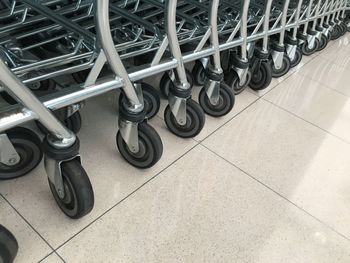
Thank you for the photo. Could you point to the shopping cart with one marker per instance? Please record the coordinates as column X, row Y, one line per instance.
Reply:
column 332, row 20
column 280, row 61
column 236, row 65
column 199, row 30
column 308, row 39
column 55, row 54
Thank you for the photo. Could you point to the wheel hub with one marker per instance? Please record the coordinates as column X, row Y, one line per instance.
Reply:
column 142, row 150
column 187, row 124
column 258, row 76
column 219, row 104
column 15, row 163
column 35, row 86
column 67, row 199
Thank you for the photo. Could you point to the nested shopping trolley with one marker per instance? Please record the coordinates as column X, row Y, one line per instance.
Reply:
column 55, row 54
column 44, row 41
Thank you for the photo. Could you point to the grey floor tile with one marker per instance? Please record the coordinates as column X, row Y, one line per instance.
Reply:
column 112, row 178
column 32, row 247
column 298, row 160
column 203, row 209
column 328, row 73
column 315, row 103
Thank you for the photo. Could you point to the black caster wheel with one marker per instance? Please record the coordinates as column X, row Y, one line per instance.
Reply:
column 80, row 77
column 42, row 86
column 73, row 123
column 28, row 146
column 8, row 246
column 336, row 32
column 344, row 28
column 232, row 80
column 262, row 77
column 225, row 104
column 323, row 42
column 39, row 88
column 333, row 33
column 286, row 65
column 165, row 83
column 8, row 98
column 79, row 196
column 297, row 58
column 151, row 99
column 195, row 121
column 339, row 29
column 150, row 147
column 198, row 73
column 307, row 51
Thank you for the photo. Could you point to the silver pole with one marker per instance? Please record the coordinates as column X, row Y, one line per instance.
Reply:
column 266, row 26
column 214, row 37
column 171, row 6
column 107, row 44
column 65, row 138
column 244, row 31
column 283, row 22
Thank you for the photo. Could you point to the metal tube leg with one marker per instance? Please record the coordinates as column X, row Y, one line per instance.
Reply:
column 242, row 72
column 8, row 153
column 106, row 41
column 244, row 32
column 278, row 52
column 266, row 26
column 284, row 22
column 297, row 19
column 214, row 37
column 174, row 43
column 212, row 86
column 134, row 99
column 60, row 137
column 177, row 103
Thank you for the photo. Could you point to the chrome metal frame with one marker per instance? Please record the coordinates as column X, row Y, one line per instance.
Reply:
column 31, row 108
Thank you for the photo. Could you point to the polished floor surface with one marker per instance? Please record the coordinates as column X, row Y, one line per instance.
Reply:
column 267, row 183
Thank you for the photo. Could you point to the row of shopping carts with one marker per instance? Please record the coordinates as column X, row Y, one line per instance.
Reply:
column 55, row 54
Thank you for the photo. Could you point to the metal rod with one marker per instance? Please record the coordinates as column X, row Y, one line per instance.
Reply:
column 56, row 128
column 115, row 63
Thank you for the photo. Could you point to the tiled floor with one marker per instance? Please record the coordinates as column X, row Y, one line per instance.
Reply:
column 267, row 183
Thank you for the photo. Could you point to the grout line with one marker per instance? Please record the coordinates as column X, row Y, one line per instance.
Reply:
column 59, row 256
column 237, row 114
column 41, row 260
column 309, row 122
column 126, row 197
column 25, row 220
column 49, row 255
column 280, row 195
